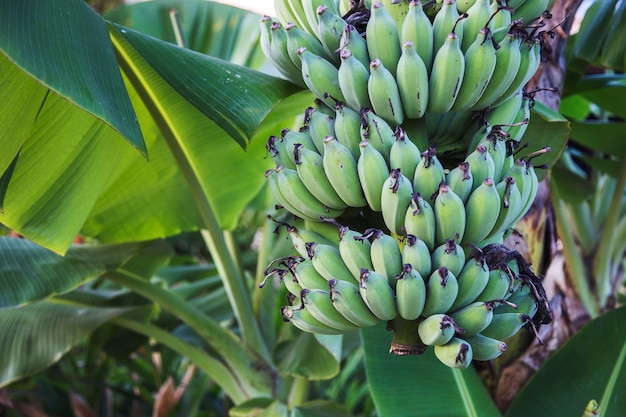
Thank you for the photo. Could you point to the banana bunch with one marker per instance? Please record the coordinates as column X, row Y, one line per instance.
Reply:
column 402, row 63
column 465, row 309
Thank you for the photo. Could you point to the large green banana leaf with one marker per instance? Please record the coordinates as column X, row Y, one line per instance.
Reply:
column 74, row 165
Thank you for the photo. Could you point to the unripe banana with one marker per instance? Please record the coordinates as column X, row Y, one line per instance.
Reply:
column 450, row 255
column 472, row 280
column 416, row 253
column 303, row 320
column 460, row 180
column 498, row 287
column 474, row 317
column 383, row 40
column 404, row 154
column 437, row 329
column 294, row 191
column 291, row 138
column 511, row 204
column 501, row 20
column 496, row 147
column 428, row 175
column 520, row 122
column 529, row 62
column 505, row 325
column 298, row 38
column 506, row 112
column 373, row 173
column 521, row 301
column 457, row 353
column 290, row 11
column 330, row 28
column 398, row 9
column 310, row 12
column 328, row 262
column 463, row 5
column 378, row 294
column 520, row 173
column 385, row 253
column 308, row 277
column 449, row 215
column 353, row 77
column 346, row 297
column 375, row 129
column 355, row 252
column 481, row 165
column 348, row 128
column 530, row 10
column 320, row 125
column 442, row 289
column 352, row 40
column 322, row 107
column 444, row 23
column 534, row 186
column 508, row 58
column 480, row 62
column 384, row 94
column 446, row 75
column 412, row 82
column 276, row 148
column 321, row 77
column 341, row 169
column 418, row 29
column 420, row 220
column 280, row 54
column 299, row 236
column 478, row 16
column 321, row 307
column 289, row 280
column 396, row 197
column 410, row 293
column 310, row 168
column 272, row 178
column 485, row 348
column 482, row 211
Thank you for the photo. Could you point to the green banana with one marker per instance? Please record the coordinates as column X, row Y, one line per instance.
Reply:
column 328, row 262
column 496, row 147
column 511, row 204
column 398, row 9
column 384, row 94
column 383, row 40
column 396, row 197
column 373, row 173
column 474, row 317
column 288, row 11
column 265, row 39
column 446, row 75
column 299, row 236
column 442, row 289
column 320, row 125
column 449, row 255
column 276, row 148
column 418, row 29
column 385, row 254
column 353, row 78
column 472, row 279
column 416, row 253
column 420, row 220
column 279, row 50
column 375, row 129
column 346, row 297
column 478, row 18
column 482, row 211
column 505, row 325
column 457, row 353
column 355, row 252
column 481, row 165
column 529, row 62
column 310, row 168
column 519, row 172
column 464, row 5
column 506, row 112
column 348, row 128
column 330, row 28
column 294, row 190
column 291, row 138
column 460, row 180
column 410, row 293
column 521, row 301
column 272, row 178
column 449, row 215
column 518, row 128
column 530, row 10
column 298, row 38
column 508, row 58
column 352, row 40
column 502, row 17
column 341, row 169
column 321, row 77
column 534, row 186
column 308, row 277
column 321, row 307
column 378, row 294
column 310, row 13
column 485, row 348
column 412, row 82
column 445, row 22
column 303, row 320
column 404, row 154
column 480, row 63
column 428, row 175
column 437, row 329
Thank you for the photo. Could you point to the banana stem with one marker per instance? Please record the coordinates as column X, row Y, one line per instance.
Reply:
column 602, row 264
column 573, row 258
column 177, row 26
column 298, row 393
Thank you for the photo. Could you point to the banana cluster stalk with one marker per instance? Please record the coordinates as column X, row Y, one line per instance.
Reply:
column 405, row 171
